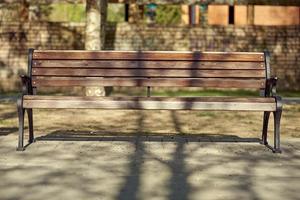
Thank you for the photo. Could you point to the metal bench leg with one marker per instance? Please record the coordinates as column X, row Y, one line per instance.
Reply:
column 30, row 122
column 21, row 125
column 264, row 136
column 277, row 117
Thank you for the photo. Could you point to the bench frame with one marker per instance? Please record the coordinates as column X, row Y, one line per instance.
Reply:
column 270, row 91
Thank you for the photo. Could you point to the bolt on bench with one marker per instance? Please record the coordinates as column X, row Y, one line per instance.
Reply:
column 56, row 68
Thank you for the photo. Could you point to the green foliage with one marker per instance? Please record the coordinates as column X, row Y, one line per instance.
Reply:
column 168, row 14
column 76, row 12
column 115, row 12
column 66, row 12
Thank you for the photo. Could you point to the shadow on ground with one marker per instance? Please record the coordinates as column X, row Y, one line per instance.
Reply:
column 7, row 131
column 67, row 135
column 147, row 166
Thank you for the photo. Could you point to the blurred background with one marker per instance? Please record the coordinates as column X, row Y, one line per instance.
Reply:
column 204, row 25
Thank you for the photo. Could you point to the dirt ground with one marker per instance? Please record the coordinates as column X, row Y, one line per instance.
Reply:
column 99, row 154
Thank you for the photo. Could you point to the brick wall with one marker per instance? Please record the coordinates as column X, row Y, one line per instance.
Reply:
column 282, row 42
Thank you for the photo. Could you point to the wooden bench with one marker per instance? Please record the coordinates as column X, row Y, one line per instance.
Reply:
column 56, row 68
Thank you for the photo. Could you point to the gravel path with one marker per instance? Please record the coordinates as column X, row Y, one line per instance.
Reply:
column 148, row 168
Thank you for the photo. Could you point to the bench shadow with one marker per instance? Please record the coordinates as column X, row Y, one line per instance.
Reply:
column 178, row 184
column 67, row 135
column 6, row 131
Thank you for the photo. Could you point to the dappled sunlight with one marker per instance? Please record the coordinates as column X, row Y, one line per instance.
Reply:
column 141, row 169
column 130, row 100
column 90, row 154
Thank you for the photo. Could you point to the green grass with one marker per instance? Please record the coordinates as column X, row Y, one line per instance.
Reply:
column 206, row 114
column 205, row 93
column 289, row 93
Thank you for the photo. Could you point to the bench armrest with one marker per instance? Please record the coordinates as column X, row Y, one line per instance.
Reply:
column 271, row 86
column 26, row 84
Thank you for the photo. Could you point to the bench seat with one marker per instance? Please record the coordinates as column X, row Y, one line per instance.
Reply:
column 149, row 103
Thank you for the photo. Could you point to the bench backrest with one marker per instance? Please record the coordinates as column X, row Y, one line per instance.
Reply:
column 148, row 68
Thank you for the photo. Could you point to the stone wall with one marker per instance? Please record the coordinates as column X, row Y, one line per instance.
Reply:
column 16, row 38
column 282, row 42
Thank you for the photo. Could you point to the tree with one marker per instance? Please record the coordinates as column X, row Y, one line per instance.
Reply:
column 95, row 34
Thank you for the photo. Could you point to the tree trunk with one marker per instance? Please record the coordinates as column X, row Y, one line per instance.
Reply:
column 250, row 14
column 24, row 11
column 95, row 34
column 136, row 13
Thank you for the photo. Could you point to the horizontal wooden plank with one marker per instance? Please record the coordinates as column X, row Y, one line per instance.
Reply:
column 150, row 104
column 147, row 72
column 147, row 64
column 153, row 82
column 131, row 98
column 147, row 55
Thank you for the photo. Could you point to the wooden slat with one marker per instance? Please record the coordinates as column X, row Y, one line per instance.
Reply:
column 147, row 72
column 147, row 64
column 148, row 55
column 153, row 82
column 179, row 99
column 150, row 104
